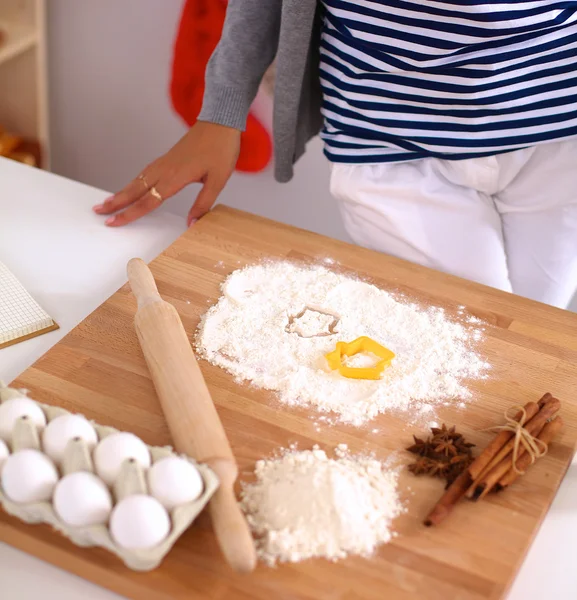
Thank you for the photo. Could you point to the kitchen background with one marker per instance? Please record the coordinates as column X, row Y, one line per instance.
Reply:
column 108, row 71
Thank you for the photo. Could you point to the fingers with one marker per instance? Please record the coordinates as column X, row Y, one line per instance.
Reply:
column 205, row 199
column 135, row 190
column 144, row 205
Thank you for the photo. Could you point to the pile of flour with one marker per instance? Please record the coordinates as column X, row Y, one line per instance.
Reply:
column 305, row 505
column 254, row 333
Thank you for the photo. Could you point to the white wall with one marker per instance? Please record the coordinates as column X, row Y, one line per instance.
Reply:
column 111, row 114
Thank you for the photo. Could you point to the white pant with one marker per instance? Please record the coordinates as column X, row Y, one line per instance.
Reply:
column 508, row 221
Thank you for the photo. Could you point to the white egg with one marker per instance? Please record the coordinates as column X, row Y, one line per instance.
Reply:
column 113, row 450
column 174, row 481
column 138, row 522
column 82, row 499
column 13, row 409
column 61, row 430
column 29, row 476
column 4, row 453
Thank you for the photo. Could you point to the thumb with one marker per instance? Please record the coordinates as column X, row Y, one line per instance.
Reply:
column 205, row 200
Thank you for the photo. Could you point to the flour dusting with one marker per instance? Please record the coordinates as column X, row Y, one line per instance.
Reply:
column 305, row 505
column 271, row 328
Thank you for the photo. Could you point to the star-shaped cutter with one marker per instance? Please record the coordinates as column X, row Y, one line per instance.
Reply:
column 331, row 326
column 361, row 344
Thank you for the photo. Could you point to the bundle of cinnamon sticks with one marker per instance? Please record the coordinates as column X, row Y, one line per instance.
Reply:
column 504, row 459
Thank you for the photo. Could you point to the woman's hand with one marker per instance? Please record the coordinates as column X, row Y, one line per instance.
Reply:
column 207, row 154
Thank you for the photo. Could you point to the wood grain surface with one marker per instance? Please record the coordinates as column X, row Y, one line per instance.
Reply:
column 99, row 370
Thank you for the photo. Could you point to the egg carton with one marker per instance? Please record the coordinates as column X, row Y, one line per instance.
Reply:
column 132, row 480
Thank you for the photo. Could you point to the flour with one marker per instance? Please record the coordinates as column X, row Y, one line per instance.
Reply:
column 310, row 323
column 362, row 360
column 266, row 329
column 305, row 505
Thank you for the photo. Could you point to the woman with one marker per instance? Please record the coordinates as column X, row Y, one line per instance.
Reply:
column 451, row 127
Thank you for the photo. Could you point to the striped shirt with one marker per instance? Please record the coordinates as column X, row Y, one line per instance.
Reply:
column 408, row 79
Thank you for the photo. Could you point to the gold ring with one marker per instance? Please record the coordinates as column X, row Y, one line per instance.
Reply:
column 143, row 179
column 154, row 192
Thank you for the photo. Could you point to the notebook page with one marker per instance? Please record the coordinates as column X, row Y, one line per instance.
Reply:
column 20, row 314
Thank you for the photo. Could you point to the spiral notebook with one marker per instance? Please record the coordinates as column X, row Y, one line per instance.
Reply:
column 21, row 317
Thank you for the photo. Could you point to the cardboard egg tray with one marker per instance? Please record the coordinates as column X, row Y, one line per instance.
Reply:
column 132, row 480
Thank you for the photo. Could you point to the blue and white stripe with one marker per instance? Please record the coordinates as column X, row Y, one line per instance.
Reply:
column 406, row 79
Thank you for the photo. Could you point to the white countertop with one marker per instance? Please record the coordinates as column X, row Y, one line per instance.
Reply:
column 71, row 263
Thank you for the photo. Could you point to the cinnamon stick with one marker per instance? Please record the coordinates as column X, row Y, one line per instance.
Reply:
column 500, row 464
column 548, row 433
column 538, row 413
column 489, row 481
column 451, row 496
column 546, row 397
column 480, row 464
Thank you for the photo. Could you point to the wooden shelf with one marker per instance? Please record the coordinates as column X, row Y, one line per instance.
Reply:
column 18, row 38
column 23, row 73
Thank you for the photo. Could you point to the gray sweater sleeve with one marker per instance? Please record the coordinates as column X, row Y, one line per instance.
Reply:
column 247, row 48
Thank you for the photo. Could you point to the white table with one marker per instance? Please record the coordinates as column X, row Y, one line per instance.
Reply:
column 71, row 264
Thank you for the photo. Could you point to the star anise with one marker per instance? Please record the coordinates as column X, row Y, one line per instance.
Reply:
column 443, row 433
column 446, row 447
column 459, row 459
column 439, row 468
column 445, row 454
column 422, row 466
column 420, row 447
column 463, row 446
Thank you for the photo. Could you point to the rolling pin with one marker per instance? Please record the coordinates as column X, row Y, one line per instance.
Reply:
column 194, row 424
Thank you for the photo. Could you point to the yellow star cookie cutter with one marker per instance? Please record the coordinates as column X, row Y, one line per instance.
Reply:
column 361, row 344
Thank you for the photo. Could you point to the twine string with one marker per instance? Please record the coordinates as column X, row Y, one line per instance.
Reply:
column 532, row 445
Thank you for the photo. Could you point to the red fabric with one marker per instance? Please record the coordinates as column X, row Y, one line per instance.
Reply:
column 198, row 34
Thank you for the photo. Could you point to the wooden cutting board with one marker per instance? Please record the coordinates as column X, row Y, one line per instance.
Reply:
column 98, row 370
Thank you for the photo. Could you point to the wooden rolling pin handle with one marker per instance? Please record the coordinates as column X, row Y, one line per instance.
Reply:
column 142, row 283
column 228, row 520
